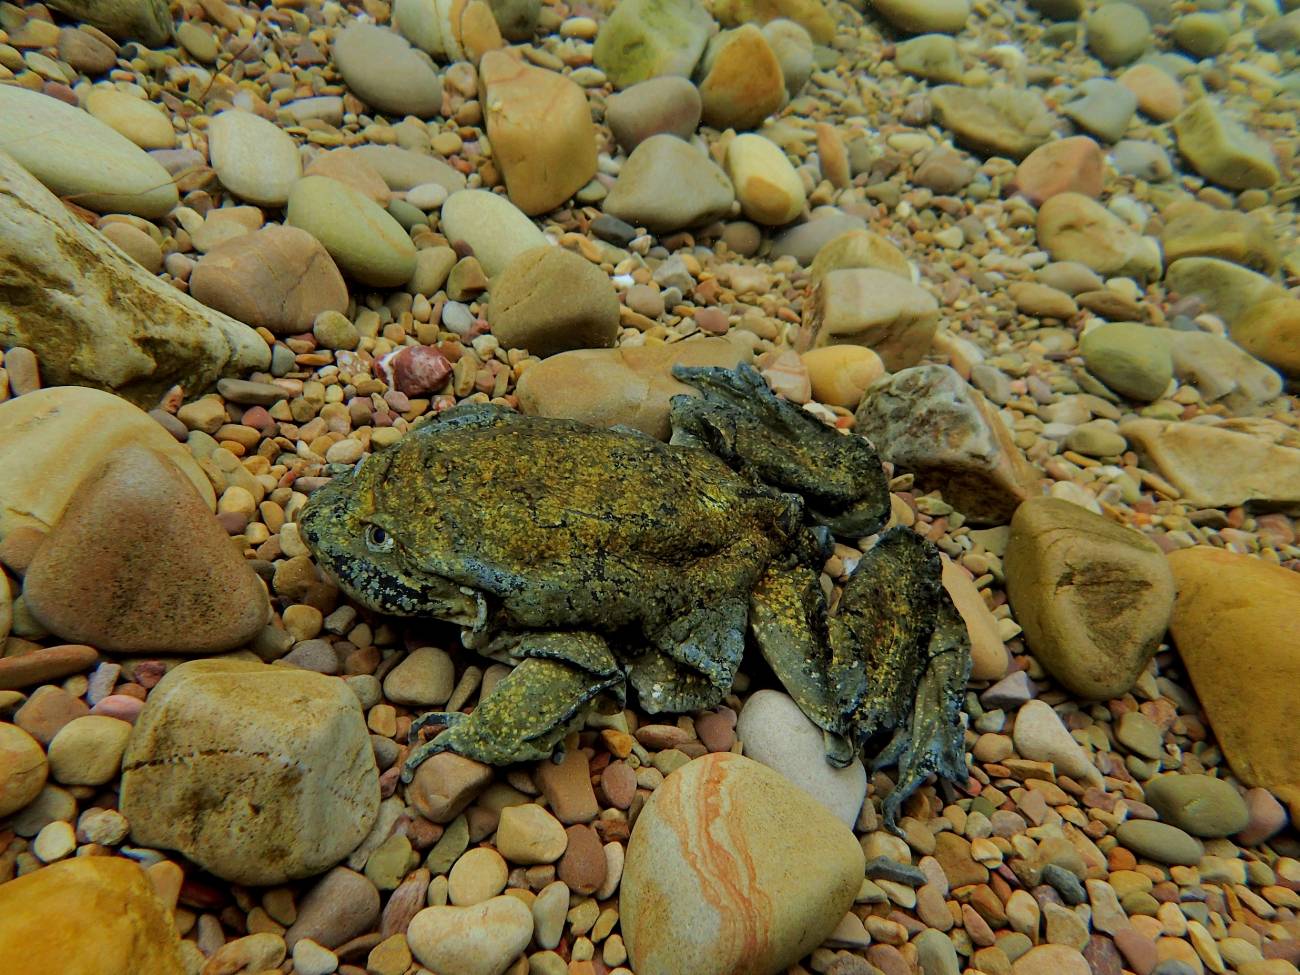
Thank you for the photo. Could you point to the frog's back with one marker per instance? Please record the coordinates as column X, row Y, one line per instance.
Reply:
column 563, row 520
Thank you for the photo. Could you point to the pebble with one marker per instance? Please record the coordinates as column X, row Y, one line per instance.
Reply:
column 1160, row 842
column 793, row 46
column 341, row 905
column 1159, row 95
column 495, row 230
column 777, row 734
column 44, row 664
column 741, row 82
column 925, row 16
column 529, row 835
column 1039, row 735
column 1104, row 108
column 88, row 750
column 75, row 154
column 1222, row 150
column 481, row 939
column 998, row 121
column 1074, row 227
column 767, row 186
column 644, row 39
column 253, row 158
column 23, row 768
column 359, row 235
column 479, row 875
column 1198, row 804
column 667, row 185
column 1117, row 33
column 424, row 678
column 550, row 300
column 140, row 121
column 383, row 70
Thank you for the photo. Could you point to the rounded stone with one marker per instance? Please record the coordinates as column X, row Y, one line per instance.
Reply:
column 254, row 159
column 667, row 184
column 357, row 232
column 279, row 278
column 139, row 120
column 137, row 245
column 661, row 105
column 925, row 16
column 1198, row 804
column 481, row 939
column 530, row 835
column 424, row 678
column 23, row 768
column 768, row 188
column 1117, row 33
column 77, row 156
column 1160, row 842
column 479, row 874
column 840, row 374
column 1270, row 331
column 741, row 82
column 495, row 229
column 88, row 750
column 777, row 734
column 1134, row 360
column 550, row 300
column 387, row 72
column 338, row 907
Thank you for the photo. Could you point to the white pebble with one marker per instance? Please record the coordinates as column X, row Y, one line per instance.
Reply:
column 427, row 196
column 54, row 842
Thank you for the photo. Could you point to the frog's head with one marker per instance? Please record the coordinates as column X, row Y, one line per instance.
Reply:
column 358, row 539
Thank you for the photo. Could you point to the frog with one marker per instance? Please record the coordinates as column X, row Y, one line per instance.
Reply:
column 598, row 561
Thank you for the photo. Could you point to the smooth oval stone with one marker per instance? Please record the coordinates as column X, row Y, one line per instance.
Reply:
column 1118, row 33
column 496, row 230
column 1134, row 360
column 732, row 868
column 1222, row 150
column 254, row 159
column 404, row 169
column 359, row 234
column 386, row 72
column 668, row 104
column 79, row 157
column 925, row 16
column 769, row 189
column 139, row 120
column 1160, row 842
column 1198, row 804
column 667, row 185
column 482, row 939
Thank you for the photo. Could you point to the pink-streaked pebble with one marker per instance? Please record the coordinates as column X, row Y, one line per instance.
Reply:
column 120, row 706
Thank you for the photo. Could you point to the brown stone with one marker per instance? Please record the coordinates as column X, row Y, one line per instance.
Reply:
column 550, row 300
column 351, row 167
column 445, row 784
column 138, row 564
column 875, row 308
column 582, row 867
column 740, row 79
column 567, row 787
column 45, row 917
column 23, row 768
column 45, row 664
column 277, row 277
column 1159, row 94
column 1270, row 331
column 47, row 711
column 1227, row 620
column 541, row 131
column 1073, row 165
column 1075, row 227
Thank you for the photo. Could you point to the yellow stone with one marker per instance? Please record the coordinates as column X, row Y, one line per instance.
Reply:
column 1270, row 331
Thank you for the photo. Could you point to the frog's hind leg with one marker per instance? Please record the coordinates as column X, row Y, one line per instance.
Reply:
column 739, row 419
column 692, row 660
column 787, row 617
column 532, row 709
column 900, row 659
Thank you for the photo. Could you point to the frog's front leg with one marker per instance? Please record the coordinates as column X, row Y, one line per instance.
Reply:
column 531, row 710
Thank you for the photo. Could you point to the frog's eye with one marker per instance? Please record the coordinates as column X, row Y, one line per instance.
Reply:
column 378, row 540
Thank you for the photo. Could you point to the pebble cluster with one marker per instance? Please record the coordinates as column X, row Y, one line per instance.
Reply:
column 1043, row 253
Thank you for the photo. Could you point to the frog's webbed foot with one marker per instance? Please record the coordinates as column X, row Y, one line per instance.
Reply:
column 739, row 419
column 692, row 661
column 532, row 709
column 900, row 659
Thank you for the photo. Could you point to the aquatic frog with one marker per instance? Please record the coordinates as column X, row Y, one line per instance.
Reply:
column 597, row 559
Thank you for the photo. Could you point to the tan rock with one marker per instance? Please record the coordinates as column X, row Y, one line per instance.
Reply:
column 454, row 30
column 1159, row 94
column 874, row 308
column 1073, row 165
column 989, row 657
column 741, row 82
column 1092, row 596
column 1227, row 290
column 840, row 374
column 1222, row 150
column 351, row 167
column 483, row 939
column 88, row 750
column 1001, row 121
column 631, row 386
column 1226, row 621
column 126, row 330
column 138, row 564
column 1074, row 227
column 23, row 769
column 858, row 248
column 528, row 834
column 1270, row 331
column 44, row 917
column 812, row 15
column 278, row 277
column 550, row 300
column 138, row 119
column 1196, row 229
column 753, row 890
column 768, row 188
column 541, row 131
column 137, row 245
column 1215, row 467
column 445, row 784
column 53, row 439
column 929, row 421
column 258, row 774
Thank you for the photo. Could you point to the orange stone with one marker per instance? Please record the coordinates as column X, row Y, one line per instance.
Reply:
column 1073, row 165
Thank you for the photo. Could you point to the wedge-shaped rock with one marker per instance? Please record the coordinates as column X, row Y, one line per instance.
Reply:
column 732, row 868
column 138, row 564
column 258, row 774
column 667, row 185
column 928, row 420
column 1222, row 150
column 92, row 315
column 1092, row 596
column 873, row 307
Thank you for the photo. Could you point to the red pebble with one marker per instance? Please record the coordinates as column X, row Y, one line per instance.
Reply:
column 419, row 370
column 120, row 706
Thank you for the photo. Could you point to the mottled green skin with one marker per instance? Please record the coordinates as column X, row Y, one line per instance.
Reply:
column 592, row 556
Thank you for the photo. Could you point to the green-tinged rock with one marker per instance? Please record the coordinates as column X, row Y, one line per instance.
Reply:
column 1227, row 289
column 740, row 79
column 1160, row 842
column 359, row 234
column 646, row 38
column 811, row 15
column 934, row 57
column 1202, row 34
column 1198, row 804
column 1222, row 150
column 1010, row 122
column 924, row 16
column 1132, row 359
column 148, row 21
column 1270, row 331
column 1118, row 33
column 1196, row 229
